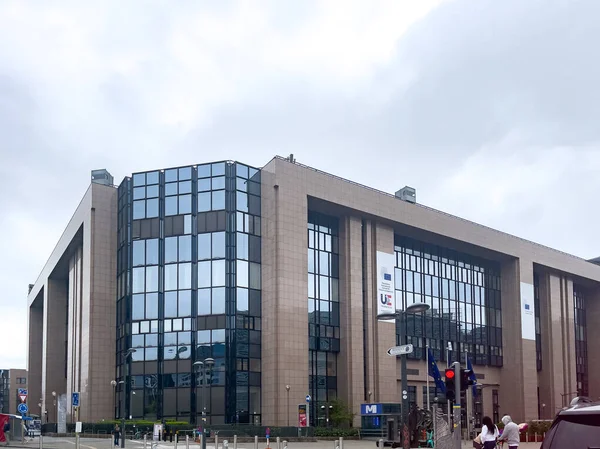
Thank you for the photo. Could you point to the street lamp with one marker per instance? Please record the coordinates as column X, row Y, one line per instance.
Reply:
column 327, row 409
column 400, row 316
column 124, row 400
column 202, row 365
column 56, row 409
column 113, row 383
column 287, row 388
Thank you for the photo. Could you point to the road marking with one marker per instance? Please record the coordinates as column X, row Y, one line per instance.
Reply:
column 82, row 445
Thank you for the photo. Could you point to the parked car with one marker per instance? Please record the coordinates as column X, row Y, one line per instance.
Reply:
column 575, row 427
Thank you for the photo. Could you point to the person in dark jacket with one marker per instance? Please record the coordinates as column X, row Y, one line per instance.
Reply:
column 116, row 434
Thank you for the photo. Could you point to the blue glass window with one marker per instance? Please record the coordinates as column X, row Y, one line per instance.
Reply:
column 139, row 209
column 204, row 301
column 185, row 204
column 171, row 205
column 204, row 185
column 204, row 171
column 204, row 201
column 152, row 208
column 218, row 200
column 218, row 183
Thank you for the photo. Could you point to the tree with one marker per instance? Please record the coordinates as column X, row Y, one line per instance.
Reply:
column 340, row 415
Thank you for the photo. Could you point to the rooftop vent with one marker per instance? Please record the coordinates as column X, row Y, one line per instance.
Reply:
column 103, row 177
column 407, row 194
column 291, row 159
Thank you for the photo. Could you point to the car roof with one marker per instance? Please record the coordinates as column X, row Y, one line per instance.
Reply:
column 582, row 406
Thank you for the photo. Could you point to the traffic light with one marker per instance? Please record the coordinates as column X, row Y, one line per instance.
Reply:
column 450, row 375
column 466, row 379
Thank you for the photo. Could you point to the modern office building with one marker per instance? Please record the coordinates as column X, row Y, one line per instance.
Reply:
column 11, row 381
column 237, row 291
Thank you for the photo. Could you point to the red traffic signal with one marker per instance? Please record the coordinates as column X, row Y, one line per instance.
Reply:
column 449, row 373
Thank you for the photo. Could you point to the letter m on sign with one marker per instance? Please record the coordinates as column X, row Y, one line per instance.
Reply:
column 371, row 409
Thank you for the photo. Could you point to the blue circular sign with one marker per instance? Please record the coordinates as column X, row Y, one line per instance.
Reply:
column 22, row 408
column 308, row 398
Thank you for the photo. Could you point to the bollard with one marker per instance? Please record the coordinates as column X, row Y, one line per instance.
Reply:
column 235, row 442
column 341, row 443
column 145, row 441
column 278, row 443
column 256, row 442
column 216, row 441
column 176, row 440
column 285, row 444
column 380, row 443
column 187, row 442
column 41, row 441
column 202, row 440
column 335, row 444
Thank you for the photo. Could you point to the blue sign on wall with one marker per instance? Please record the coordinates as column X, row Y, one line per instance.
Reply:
column 75, row 399
column 371, row 409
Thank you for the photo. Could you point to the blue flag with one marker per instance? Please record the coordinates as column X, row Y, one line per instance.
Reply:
column 472, row 376
column 435, row 372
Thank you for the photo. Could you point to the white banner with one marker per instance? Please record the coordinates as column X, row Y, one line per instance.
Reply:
column 527, row 312
column 386, row 299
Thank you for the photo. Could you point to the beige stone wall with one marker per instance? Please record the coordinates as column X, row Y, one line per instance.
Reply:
column 285, row 210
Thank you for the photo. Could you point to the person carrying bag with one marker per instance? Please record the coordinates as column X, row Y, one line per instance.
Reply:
column 488, row 436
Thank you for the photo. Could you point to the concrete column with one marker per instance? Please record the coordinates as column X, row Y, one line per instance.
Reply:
column 34, row 354
column 284, row 300
column 518, row 394
column 54, row 332
column 351, row 360
column 558, row 376
column 385, row 366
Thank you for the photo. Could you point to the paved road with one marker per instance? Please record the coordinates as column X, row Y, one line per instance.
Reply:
column 91, row 443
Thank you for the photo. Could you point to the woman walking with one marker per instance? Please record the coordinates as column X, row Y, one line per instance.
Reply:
column 489, row 433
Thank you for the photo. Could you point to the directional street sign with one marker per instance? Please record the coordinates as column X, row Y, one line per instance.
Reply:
column 22, row 408
column 400, row 350
column 75, row 399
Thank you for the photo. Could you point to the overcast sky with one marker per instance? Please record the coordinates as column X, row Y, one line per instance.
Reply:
column 489, row 108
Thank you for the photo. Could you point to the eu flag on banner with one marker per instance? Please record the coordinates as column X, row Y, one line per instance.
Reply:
column 472, row 376
column 435, row 372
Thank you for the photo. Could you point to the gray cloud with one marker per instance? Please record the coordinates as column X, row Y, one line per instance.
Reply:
column 489, row 108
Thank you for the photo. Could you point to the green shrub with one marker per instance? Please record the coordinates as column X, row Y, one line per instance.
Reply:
column 335, row 432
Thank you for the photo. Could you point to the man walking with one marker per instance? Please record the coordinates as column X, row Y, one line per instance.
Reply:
column 510, row 434
column 116, row 434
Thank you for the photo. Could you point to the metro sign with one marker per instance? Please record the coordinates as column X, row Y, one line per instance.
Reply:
column 370, row 409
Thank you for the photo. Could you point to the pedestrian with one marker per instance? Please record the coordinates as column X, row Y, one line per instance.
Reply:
column 489, row 433
column 7, row 431
column 116, row 434
column 510, row 434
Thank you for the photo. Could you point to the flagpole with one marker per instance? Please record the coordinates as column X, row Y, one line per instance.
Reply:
column 427, row 358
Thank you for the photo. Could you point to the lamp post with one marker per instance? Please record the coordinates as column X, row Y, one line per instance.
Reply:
column 327, row 408
column 203, row 364
column 287, row 389
column 125, row 383
column 113, row 383
column 400, row 316
column 56, row 409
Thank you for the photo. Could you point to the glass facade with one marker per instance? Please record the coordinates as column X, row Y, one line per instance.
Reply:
column 323, row 312
column 581, row 350
column 464, row 295
column 188, row 290
column 4, row 391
